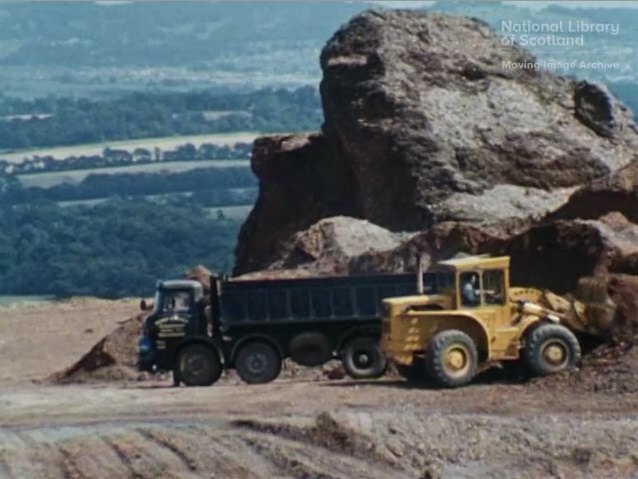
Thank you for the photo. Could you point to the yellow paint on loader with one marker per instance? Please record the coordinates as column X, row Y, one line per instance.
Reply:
column 479, row 320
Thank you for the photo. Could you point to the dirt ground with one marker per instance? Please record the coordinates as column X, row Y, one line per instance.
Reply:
column 292, row 428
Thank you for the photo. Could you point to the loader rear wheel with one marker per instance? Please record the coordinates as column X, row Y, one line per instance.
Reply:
column 198, row 365
column 451, row 359
column 258, row 363
column 362, row 358
column 550, row 348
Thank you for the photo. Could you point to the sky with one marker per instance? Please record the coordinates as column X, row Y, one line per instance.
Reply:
column 526, row 3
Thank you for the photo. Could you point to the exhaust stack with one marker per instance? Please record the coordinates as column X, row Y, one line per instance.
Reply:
column 419, row 274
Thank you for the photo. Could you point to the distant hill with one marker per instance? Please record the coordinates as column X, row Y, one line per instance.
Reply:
column 82, row 48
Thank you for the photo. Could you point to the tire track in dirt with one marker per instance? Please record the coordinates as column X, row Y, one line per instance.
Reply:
column 227, row 457
column 326, row 448
column 91, row 457
column 41, row 456
column 123, row 456
column 247, row 463
column 69, row 466
column 295, row 467
column 5, row 470
column 165, row 443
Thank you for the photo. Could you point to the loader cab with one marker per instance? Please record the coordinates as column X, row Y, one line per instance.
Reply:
column 480, row 282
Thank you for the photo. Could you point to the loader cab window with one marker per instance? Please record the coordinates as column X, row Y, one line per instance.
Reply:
column 470, row 289
column 494, row 287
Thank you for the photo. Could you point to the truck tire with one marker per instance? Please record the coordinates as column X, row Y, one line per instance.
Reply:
column 310, row 349
column 451, row 359
column 258, row 363
column 198, row 365
column 362, row 358
column 550, row 348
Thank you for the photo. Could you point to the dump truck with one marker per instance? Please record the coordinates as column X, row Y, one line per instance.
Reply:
column 251, row 326
column 477, row 320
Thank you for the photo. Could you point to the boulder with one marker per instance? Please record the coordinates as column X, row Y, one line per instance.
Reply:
column 427, row 122
column 300, row 182
column 615, row 192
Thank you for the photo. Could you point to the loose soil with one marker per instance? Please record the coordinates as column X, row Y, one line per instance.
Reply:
column 304, row 425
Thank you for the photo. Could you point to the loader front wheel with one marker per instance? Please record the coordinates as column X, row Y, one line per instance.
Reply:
column 550, row 348
column 451, row 359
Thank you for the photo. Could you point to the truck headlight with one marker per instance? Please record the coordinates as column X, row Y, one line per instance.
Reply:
column 144, row 345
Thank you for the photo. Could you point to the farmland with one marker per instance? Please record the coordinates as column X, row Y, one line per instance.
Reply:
column 52, row 178
column 162, row 143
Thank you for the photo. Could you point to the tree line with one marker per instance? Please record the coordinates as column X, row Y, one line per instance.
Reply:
column 115, row 249
column 54, row 121
column 98, row 185
column 118, row 157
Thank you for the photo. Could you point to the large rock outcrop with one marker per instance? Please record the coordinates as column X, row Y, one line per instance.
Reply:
column 552, row 255
column 300, row 182
column 427, row 121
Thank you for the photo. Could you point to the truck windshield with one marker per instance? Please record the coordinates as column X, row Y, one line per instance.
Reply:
column 176, row 302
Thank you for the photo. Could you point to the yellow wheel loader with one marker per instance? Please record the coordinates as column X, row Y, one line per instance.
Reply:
column 477, row 319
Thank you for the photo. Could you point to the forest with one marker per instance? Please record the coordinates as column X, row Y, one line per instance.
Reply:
column 53, row 121
column 118, row 248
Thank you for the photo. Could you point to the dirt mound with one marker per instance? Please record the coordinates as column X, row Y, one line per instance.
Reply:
column 329, row 431
column 609, row 369
column 202, row 274
column 113, row 358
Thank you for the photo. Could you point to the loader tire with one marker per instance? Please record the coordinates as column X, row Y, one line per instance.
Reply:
column 550, row 348
column 451, row 359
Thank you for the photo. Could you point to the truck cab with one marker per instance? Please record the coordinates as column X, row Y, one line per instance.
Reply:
column 178, row 312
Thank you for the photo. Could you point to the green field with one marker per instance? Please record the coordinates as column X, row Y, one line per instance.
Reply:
column 235, row 212
column 52, row 178
column 163, row 143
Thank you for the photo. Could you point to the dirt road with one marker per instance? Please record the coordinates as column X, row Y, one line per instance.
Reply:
column 301, row 429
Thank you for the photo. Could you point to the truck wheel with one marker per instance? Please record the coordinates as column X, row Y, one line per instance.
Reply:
column 198, row 365
column 310, row 349
column 362, row 358
column 451, row 359
column 550, row 348
column 258, row 363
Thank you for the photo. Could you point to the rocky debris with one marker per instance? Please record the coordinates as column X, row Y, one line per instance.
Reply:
column 202, row 274
column 424, row 123
column 575, row 248
column 555, row 255
column 328, row 245
column 615, row 192
column 113, row 358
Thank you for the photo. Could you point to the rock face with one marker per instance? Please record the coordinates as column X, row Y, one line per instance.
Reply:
column 615, row 192
column 427, row 113
column 425, row 122
column 300, row 182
